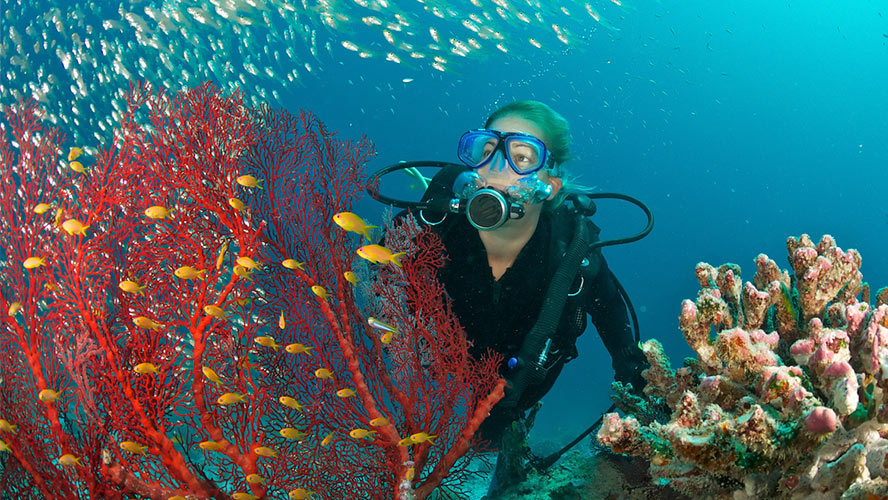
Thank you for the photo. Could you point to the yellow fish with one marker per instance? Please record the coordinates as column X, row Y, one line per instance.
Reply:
column 177, row 497
column 387, row 337
column 143, row 322
column 41, row 208
column 4, row 446
column 345, row 393
column 354, row 223
column 244, row 496
column 247, row 263
column 14, row 308
column 69, row 460
column 211, row 445
column 214, row 311
column 74, row 153
column 320, row 291
column 300, row 494
column 144, row 368
column 324, row 373
column 327, row 440
column 406, row 442
column 422, row 437
column 264, row 451
column 157, row 212
column 130, row 286
column 48, row 395
column 297, row 348
column 360, row 433
column 133, row 447
column 77, row 167
column 242, row 271
column 378, row 254
column 379, row 422
column 267, row 341
column 249, row 181
column 292, row 264
column 281, row 323
column 221, row 257
column 58, row 216
column 410, row 473
column 230, row 398
column 189, row 273
column 255, row 479
column 5, row 426
column 34, row 262
column 291, row 433
column 351, row 277
column 74, row 226
column 236, row 204
column 290, row 402
column 212, row 375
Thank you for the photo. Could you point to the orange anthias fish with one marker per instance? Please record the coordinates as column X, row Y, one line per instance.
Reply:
column 293, row 264
column 74, row 226
column 249, row 181
column 378, row 254
column 353, row 222
column 74, row 153
column 297, row 348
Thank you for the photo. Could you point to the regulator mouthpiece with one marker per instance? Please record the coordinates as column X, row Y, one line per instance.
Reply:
column 488, row 208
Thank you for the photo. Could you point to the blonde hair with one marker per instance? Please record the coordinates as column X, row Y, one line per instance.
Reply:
column 557, row 131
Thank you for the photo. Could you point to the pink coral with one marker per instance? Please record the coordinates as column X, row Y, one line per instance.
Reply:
column 780, row 424
column 821, row 419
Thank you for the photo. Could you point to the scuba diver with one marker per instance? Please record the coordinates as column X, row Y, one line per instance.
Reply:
column 524, row 266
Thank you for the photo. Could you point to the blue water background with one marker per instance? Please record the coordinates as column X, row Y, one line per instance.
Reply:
column 738, row 123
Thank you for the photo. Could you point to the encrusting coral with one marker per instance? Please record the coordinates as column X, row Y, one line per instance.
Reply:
column 787, row 395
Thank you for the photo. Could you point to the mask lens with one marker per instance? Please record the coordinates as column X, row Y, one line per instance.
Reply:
column 526, row 156
column 476, row 147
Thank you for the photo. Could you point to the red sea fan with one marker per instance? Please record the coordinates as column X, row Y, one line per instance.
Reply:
column 176, row 320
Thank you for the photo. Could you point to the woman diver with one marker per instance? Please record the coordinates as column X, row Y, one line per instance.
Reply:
column 509, row 271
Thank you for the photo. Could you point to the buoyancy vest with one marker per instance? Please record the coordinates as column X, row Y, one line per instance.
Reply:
column 552, row 341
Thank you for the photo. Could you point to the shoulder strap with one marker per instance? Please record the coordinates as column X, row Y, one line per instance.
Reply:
column 564, row 222
column 529, row 369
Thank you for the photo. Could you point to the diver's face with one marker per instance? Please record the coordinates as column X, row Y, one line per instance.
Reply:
column 497, row 173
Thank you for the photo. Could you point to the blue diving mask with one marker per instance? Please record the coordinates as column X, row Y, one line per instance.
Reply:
column 525, row 153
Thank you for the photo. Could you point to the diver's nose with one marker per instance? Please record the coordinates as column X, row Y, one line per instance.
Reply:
column 498, row 163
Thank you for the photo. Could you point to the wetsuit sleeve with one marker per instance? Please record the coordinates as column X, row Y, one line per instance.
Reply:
column 607, row 309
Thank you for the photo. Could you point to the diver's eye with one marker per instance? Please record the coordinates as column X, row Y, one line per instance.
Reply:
column 523, row 153
column 488, row 149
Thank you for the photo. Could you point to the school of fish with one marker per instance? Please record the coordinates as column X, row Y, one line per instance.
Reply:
column 78, row 58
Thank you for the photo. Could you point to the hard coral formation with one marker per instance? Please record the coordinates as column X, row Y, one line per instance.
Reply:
column 798, row 412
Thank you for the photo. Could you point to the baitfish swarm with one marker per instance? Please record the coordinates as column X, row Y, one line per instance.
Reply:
column 788, row 395
column 77, row 59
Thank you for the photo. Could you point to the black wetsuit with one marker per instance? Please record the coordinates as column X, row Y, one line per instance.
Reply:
column 497, row 314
